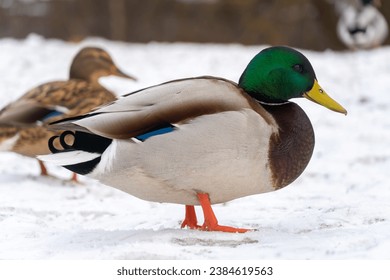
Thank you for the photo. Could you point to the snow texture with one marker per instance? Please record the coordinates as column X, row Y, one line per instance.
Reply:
column 339, row 208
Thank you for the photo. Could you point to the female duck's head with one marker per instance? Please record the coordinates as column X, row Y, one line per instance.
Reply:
column 277, row 74
column 91, row 63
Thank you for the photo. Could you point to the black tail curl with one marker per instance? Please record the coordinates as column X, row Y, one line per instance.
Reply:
column 82, row 141
column 63, row 143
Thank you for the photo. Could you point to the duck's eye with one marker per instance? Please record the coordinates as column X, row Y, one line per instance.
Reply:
column 298, row 68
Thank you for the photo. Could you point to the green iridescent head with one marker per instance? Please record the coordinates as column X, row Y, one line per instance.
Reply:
column 277, row 74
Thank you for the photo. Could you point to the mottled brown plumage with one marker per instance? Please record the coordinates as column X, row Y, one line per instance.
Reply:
column 23, row 123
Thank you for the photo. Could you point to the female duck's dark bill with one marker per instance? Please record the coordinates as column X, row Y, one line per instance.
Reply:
column 122, row 74
column 319, row 96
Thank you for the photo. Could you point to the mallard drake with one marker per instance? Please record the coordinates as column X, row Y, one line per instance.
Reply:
column 201, row 141
column 23, row 123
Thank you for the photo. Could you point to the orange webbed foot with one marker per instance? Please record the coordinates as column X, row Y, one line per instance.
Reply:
column 210, row 220
column 224, row 228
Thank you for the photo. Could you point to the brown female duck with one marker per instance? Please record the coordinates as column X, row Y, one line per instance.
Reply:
column 23, row 123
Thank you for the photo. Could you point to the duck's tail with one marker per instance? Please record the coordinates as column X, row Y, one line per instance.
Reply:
column 80, row 152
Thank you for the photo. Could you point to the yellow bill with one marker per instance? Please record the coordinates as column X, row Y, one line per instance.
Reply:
column 319, row 96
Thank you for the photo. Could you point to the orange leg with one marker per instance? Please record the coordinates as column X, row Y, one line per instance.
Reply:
column 45, row 173
column 74, row 178
column 210, row 221
column 190, row 220
column 43, row 169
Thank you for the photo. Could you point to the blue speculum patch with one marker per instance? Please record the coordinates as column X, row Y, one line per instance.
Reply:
column 51, row 114
column 159, row 131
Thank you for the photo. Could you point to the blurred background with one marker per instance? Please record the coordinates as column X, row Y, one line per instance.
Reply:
column 309, row 24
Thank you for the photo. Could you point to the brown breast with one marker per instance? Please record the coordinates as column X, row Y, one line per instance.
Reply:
column 292, row 147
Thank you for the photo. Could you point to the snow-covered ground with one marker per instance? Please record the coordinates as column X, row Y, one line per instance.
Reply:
column 338, row 209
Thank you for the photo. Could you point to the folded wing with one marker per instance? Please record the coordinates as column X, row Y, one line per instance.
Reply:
column 158, row 107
